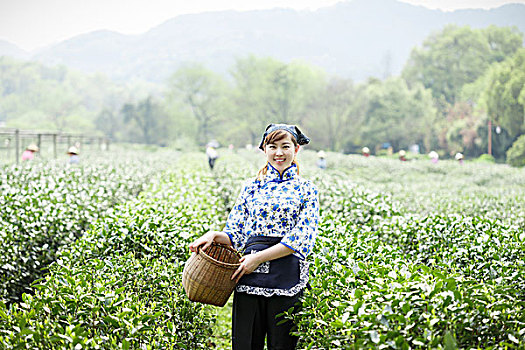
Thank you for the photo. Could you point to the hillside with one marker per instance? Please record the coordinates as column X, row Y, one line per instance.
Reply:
column 355, row 39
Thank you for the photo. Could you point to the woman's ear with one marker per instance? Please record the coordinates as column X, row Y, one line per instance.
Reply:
column 297, row 149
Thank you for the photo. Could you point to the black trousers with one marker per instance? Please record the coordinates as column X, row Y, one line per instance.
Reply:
column 211, row 162
column 254, row 318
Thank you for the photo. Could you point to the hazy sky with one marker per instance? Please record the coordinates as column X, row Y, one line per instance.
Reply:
column 32, row 24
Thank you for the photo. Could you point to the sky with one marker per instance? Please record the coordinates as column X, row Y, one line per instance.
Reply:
column 34, row 24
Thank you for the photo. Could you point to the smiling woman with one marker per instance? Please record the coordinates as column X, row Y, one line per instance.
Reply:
column 274, row 222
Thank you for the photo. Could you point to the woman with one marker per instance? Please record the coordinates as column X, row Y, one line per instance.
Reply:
column 72, row 152
column 29, row 153
column 274, row 222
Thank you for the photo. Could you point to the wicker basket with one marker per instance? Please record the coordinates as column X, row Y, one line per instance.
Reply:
column 207, row 274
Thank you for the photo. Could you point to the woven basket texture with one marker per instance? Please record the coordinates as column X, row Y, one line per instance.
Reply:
column 207, row 274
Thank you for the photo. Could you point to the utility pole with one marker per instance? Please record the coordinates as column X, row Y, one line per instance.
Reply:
column 490, row 137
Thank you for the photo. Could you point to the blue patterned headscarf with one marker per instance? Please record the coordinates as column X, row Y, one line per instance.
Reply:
column 292, row 129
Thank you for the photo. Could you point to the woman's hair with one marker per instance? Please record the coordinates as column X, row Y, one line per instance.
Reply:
column 272, row 137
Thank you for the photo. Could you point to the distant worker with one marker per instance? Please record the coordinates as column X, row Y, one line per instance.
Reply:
column 212, row 156
column 73, row 155
column 29, row 153
column 366, row 151
column 321, row 161
column 434, row 157
column 459, row 158
column 402, row 155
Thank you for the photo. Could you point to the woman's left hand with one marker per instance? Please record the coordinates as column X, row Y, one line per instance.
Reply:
column 248, row 264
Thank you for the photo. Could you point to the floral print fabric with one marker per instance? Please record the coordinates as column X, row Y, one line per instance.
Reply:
column 284, row 206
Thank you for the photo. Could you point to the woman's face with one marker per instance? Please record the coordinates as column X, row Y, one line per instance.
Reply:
column 280, row 154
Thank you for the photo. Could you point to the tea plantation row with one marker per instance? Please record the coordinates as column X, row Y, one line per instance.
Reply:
column 395, row 281
column 119, row 286
column 433, row 258
column 46, row 206
column 409, row 255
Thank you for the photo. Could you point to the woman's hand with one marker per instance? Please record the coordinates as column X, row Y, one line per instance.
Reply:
column 248, row 264
column 205, row 241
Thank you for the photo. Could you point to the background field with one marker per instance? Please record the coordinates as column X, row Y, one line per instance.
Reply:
column 409, row 254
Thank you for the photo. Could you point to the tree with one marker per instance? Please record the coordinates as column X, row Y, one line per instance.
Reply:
column 204, row 93
column 147, row 120
column 462, row 132
column 516, row 154
column 34, row 96
column 109, row 123
column 397, row 114
column 336, row 114
column 252, row 96
column 456, row 56
column 505, row 94
column 268, row 91
column 503, row 42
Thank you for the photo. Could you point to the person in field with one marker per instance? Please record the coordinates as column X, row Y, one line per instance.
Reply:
column 212, row 155
column 434, row 157
column 29, row 153
column 403, row 155
column 274, row 223
column 321, row 160
column 72, row 152
column 459, row 158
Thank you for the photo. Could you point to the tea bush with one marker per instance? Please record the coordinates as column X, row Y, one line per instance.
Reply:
column 409, row 255
column 516, row 154
column 119, row 286
column 45, row 207
column 415, row 278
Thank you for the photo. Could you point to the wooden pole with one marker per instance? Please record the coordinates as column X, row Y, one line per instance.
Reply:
column 17, row 145
column 490, row 137
column 39, row 142
column 54, row 146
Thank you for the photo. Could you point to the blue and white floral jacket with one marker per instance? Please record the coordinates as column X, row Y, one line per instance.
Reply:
column 284, row 206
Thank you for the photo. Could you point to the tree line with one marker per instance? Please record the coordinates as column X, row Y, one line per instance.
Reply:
column 452, row 85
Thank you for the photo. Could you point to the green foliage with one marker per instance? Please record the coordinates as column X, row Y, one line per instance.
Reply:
column 457, row 56
column 487, row 158
column 336, row 115
column 266, row 90
column 397, row 114
column 452, row 69
column 119, row 286
column 409, row 255
column 405, row 278
column 505, row 93
column 503, row 41
column 203, row 93
column 109, row 123
column 516, row 154
column 146, row 122
column 33, row 96
column 48, row 207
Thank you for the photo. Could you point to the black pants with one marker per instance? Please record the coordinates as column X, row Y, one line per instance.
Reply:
column 211, row 162
column 254, row 318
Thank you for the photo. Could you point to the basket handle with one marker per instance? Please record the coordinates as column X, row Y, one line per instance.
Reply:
column 229, row 247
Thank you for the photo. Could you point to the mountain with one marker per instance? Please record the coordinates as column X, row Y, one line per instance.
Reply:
column 8, row 49
column 355, row 39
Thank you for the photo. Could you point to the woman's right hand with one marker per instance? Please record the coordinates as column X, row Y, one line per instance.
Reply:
column 205, row 241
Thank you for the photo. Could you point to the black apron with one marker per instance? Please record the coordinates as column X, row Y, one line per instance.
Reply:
column 284, row 273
